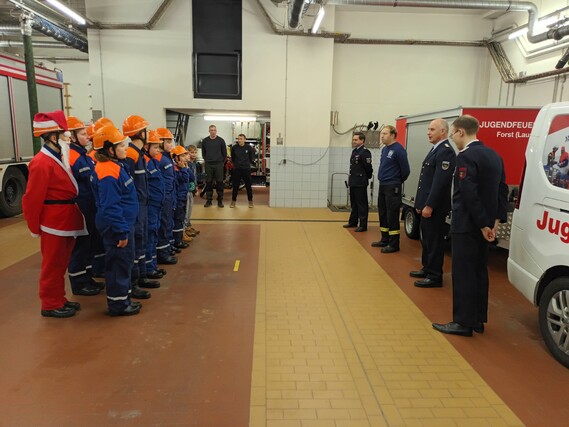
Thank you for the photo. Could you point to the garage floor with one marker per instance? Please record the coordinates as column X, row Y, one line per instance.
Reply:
column 278, row 318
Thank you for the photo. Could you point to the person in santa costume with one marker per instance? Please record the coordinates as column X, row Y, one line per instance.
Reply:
column 51, row 211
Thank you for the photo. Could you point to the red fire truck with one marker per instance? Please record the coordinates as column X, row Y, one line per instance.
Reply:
column 16, row 144
column 505, row 129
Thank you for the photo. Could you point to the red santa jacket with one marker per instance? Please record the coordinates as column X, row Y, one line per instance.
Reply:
column 49, row 180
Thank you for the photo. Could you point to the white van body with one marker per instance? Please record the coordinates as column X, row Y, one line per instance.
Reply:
column 538, row 263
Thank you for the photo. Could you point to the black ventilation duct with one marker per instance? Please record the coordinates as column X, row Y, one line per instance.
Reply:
column 58, row 33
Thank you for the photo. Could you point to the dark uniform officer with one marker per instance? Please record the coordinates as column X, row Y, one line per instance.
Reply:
column 361, row 170
column 433, row 202
column 479, row 199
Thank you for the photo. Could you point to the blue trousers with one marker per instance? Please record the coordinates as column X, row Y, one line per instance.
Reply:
column 179, row 218
column 119, row 263
column 82, row 258
column 140, row 233
column 166, row 225
column 153, row 226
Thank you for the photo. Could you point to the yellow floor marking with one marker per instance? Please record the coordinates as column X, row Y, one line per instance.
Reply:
column 236, row 267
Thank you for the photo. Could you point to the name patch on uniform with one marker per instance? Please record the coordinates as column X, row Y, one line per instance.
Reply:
column 445, row 165
column 461, row 173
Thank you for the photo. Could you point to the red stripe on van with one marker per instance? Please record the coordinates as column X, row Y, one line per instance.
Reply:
column 559, row 122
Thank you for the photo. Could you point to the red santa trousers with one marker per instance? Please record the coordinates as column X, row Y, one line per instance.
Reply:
column 56, row 253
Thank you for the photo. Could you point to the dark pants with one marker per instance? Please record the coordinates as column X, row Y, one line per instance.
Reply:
column 153, row 225
column 433, row 241
column 214, row 171
column 360, row 206
column 166, row 224
column 140, row 236
column 118, row 270
column 80, row 268
column 236, row 176
column 469, row 278
column 389, row 205
column 179, row 217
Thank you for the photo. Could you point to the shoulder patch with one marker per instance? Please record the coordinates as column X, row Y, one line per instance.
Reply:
column 445, row 165
column 461, row 173
column 368, row 160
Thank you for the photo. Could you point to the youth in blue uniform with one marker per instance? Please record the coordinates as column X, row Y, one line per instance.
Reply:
column 135, row 128
column 165, row 236
column 155, row 201
column 180, row 157
column 80, row 267
column 479, row 203
column 117, row 209
column 393, row 171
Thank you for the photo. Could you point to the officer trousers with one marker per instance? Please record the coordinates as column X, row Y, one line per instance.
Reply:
column 140, row 236
column 118, row 269
column 80, row 269
column 214, row 171
column 389, row 205
column 166, row 225
column 55, row 253
column 236, row 176
column 433, row 242
column 360, row 206
column 469, row 278
column 153, row 225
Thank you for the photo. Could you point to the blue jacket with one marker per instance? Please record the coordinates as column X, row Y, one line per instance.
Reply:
column 393, row 165
column 155, row 182
column 82, row 167
column 137, row 169
column 166, row 165
column 182, row 184
column 116, row 198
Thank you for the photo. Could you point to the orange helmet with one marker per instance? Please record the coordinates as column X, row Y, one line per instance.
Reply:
column 153, row 137
column 178, row 150
column 107, row 133
column 90, row 130
column 133, row 124
column 73, row 123
column 164, row 133
column 103, row 121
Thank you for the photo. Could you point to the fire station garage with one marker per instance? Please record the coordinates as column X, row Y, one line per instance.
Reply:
column 291, row 206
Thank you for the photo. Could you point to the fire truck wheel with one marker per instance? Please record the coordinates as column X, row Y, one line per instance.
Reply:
column 13, row 187
column 411, row 223
column 554, row 318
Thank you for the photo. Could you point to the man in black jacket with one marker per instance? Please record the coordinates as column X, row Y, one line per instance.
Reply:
column 479, row 203
column 242, row 157
column 361, row 170
column 214, row 152
column 432, row 202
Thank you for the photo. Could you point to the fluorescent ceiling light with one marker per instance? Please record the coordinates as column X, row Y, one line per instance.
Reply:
column 518, row 33
column 230, row 118
column 318, row 20
column 67, row 11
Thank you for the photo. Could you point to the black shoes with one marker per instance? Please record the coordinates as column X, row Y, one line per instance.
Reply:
column 161, row 271
column 175, row 250
column 453, row 328
column 155, row 275
column 207, row 204
column 181, row 245
column 360, row 229
column 419, row 274
column 139, row 293
column 220, row 204
column 389, row 250
column 428, row 283
column 131, row 310
column 60, row 313
column 168, row 261
column 87, row 291
column 74, row 305
column 379, row 244
column 350, row 225
column 145, row 282
column 479, row 329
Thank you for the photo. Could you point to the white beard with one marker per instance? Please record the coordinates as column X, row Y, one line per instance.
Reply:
column 65, row 153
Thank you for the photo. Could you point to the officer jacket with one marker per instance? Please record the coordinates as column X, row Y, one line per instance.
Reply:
column 435, row 180
column 361, row 168
column 82, row 167
column 137, row 169
column 117, row 201
column 480, row 192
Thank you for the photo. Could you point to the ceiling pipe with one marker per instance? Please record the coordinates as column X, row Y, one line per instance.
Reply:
column 50, row 29
column 50, row 45
column 506, row 5
column 130, row 26
column 295, row 13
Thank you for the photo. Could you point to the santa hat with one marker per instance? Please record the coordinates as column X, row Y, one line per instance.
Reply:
column 49, row 122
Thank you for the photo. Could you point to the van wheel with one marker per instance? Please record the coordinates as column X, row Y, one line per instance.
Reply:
column 13, row 187
column 554, row 318
column 411, row 223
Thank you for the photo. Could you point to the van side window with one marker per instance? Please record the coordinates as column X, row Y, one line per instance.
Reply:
column 555, row 155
